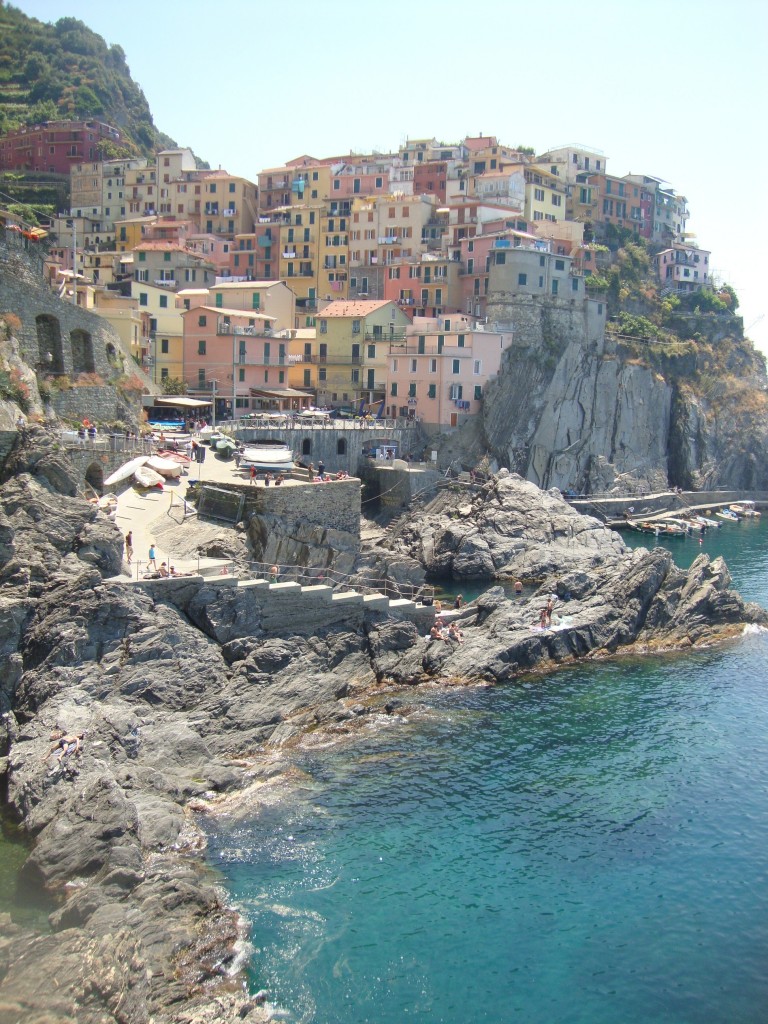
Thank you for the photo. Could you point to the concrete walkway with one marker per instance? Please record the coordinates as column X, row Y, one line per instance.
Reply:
column 146, row 514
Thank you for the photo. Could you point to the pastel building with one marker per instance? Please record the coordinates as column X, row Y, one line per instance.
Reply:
column 353, row 339
column 438, row 373
column 52, row 147
column 684, row 268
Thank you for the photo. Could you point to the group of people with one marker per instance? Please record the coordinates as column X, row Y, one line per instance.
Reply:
column 450, row 634
column 545, row 615
column 279, row 479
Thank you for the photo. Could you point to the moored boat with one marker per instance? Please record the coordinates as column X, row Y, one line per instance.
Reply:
column 730, row 517
column 226, row 447
column 745, row 508
column 267, row 456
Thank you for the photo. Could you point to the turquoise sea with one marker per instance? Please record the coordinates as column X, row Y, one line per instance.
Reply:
column 590, row 847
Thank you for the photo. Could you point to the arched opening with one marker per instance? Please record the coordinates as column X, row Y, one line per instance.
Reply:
column 51, row 354
column 94, row 476
column 82, row 351
column 112, row 355
column 306, row 446
column 341, row 446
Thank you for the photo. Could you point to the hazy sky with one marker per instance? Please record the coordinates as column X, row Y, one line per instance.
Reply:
column 672, row 89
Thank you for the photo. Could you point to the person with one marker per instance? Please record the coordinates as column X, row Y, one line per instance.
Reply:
column 543, row 617
column 92, row 432
column 321, row 469
column 459, row 602
column 21, row 421
column 279, row 479
column 129, row 546
column 64, row 746
column 518, row 588
column 274, row 573
column 253, row 474
column 311, row 473
column 550, row 609
column 438, row 607
column 163, row 570
column 436, row 633
column 455, row 634
column 152, row 557
column 267, row 479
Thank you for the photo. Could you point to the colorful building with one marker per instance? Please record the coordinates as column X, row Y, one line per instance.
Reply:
column 52, row 147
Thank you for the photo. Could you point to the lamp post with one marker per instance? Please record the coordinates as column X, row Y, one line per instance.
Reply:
column 213, row 403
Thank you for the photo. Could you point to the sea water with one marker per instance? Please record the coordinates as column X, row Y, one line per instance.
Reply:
column 589, row 847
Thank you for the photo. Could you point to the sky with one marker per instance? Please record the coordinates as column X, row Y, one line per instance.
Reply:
column 676, row 90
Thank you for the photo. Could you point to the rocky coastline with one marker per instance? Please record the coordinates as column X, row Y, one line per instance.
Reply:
column 176, row 699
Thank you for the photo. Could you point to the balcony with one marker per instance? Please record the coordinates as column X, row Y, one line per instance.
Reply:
column 296, row 359
column 393, row 334
column 165, row 283
column 229, row 212
column 289, row 254
column 248, row 332
column 388, row 240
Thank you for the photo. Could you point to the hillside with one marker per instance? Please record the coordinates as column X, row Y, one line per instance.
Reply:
column 64, row 70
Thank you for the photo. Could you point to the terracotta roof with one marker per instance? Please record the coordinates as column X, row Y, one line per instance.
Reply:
column 351, row 307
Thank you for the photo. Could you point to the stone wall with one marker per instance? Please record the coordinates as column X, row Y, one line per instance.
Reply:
column 333, row 505
column 550, row 323
column 323, row 443
column 99, row 404
column 58, row 337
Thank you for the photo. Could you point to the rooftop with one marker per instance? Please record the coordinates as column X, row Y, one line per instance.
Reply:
column 349, row 307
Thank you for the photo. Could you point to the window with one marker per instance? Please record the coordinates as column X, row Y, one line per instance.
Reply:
column 500, row 257
column 522, row 279
column 477, row 367
column 574, row 284
column 323, row 326
column 394, row 365
column 433, row 366
column 163, row 373
column 164, row 346
column 167, row 257
column 201, row 378
column 559, row 264
column 202, row 320
column 201, row 347
column 322, row 373
column 455, row 366
column 461, row 341
column 538, row 195
column 371, row 351
column 355, row 326
column 478, row 392
column 341, row 446
column 432, row 391
column 163, row 301
column 143, row 299
column 255, row 300
column 557, row 200
column 241, row 375
column 142, row 257
column 555, row 284
column 412, row 390
column 393, row 389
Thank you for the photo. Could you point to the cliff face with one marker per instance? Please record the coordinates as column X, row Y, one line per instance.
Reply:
column 591, row 417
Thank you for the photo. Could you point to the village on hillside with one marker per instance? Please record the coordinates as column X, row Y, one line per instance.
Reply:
column 385, row 283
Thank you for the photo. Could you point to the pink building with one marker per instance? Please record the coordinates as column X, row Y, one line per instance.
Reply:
column 54, row 146
column 439, row 373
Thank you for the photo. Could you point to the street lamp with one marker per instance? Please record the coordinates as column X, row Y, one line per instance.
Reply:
column 213, row 403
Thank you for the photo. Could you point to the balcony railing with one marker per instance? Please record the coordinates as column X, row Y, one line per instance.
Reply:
column 289, row 254
column 165, row 283
column 248, row 332
column 393, row 334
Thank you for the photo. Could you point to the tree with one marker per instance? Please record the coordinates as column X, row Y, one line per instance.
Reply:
column 174, row 386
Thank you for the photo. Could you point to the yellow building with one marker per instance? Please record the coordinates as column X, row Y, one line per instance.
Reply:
column 545, row 195
column 353, row 339
column 298, row 230
column 166, row 329
column 333, row 272
column 131, row 324
column 302, row 359
column 229, row 204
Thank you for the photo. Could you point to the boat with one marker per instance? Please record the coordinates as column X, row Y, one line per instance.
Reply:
column 226, row 447
column 707, row 522
column 730, row 517
column 745, row 508
column 210, row 436
column 181, row 457
column 146, row 477
column 267, row 455
column 165, row 467
column 684, row 524
column 126, row 471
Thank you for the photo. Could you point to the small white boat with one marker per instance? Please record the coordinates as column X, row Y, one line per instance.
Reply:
column 725, row 513
column 267, row 455
column 745, row 508
column 126, row 471
column 145, row 477
column 165, row 467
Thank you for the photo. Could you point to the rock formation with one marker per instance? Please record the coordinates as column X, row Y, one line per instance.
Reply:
column 175, row 704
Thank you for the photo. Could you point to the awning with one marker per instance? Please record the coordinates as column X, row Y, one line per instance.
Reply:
column 279, row 393
column 182, row 400
column 251, row 314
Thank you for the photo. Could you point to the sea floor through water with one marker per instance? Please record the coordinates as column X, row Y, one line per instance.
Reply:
column 586, row 848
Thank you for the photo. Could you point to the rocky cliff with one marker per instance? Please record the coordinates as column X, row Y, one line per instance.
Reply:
column 175, row 701
column 591, row 415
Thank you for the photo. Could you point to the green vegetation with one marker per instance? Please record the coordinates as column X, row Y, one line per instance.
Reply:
column 174, row 386
column 65, row 70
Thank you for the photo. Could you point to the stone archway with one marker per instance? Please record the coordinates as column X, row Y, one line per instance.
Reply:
column 82, row 351
column 49, row 347
column 94, row 476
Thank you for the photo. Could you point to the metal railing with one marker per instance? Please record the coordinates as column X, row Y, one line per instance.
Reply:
column 361, row 583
